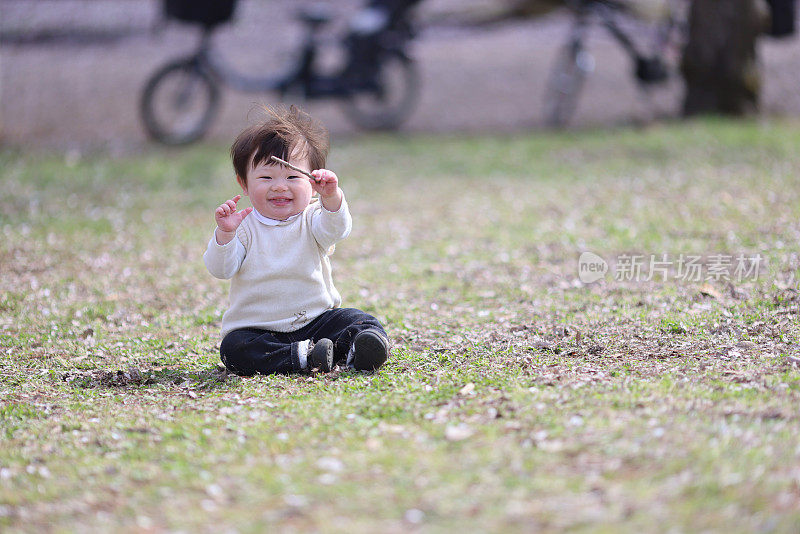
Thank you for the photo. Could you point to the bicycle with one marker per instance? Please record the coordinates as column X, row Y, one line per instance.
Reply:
column 574, row 62
column 377, row 87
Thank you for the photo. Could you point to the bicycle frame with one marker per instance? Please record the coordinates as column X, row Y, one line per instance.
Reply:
column 575, row 61
column 206, row 60
column 649, row 67
column 606, row 11
column 302, row 76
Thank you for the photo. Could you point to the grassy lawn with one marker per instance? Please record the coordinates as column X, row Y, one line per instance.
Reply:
column 518, row 398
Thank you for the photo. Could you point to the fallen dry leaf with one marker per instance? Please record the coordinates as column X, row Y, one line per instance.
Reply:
column 709, row 291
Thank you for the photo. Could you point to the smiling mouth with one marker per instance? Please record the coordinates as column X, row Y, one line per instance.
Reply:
column 280, row 201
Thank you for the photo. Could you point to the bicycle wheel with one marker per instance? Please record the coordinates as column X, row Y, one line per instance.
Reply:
column 564, row 84
column 179, row 103
column 390, row 101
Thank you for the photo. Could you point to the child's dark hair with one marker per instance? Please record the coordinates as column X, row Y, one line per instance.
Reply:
column 278, row 135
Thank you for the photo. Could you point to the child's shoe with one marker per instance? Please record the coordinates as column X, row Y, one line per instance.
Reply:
column 369, row 350
column 321, row 355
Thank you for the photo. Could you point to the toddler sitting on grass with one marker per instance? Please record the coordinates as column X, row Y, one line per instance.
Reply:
column 284, row 313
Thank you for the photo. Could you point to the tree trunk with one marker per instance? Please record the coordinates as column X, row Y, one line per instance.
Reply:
column 719, row 62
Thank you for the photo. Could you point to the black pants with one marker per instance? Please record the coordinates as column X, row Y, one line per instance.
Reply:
column 249, row 350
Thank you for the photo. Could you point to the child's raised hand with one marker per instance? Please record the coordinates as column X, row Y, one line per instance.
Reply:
column 327, row 183
column 327, row 186
column 228, row 219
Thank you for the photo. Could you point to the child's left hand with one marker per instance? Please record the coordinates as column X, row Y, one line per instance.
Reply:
column 327, row 183
column 328, row 188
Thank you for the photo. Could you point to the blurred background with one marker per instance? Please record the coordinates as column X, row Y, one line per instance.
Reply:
column 72, row 71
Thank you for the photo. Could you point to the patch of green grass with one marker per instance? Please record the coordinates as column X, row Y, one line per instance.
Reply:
column 517, row 398
column 15, row 415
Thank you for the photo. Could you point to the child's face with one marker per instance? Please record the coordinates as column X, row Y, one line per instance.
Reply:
column 277, row 191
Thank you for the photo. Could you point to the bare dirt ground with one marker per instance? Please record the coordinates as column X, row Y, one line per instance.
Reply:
column 77, row 85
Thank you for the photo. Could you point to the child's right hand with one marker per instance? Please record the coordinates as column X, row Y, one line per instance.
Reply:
column 228, row 219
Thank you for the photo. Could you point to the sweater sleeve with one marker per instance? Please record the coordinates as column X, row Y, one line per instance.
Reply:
column 223, row 261
column 330, row 227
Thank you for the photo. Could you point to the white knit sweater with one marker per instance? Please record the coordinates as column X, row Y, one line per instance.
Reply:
column 280, row 272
